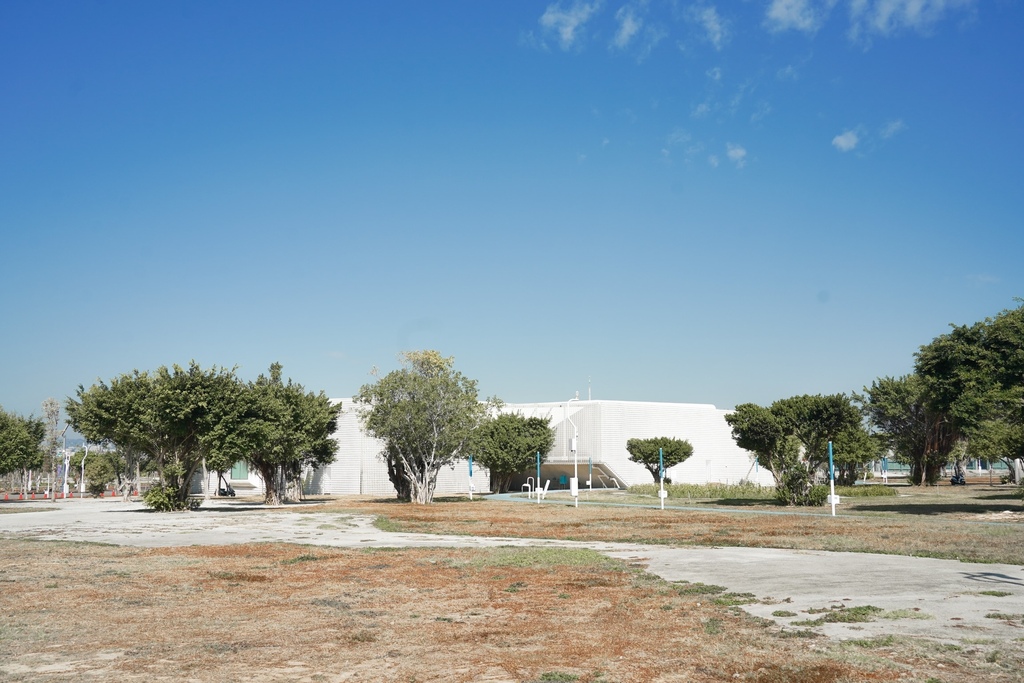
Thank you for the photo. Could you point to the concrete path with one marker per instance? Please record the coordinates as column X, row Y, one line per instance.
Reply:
column 940, row 599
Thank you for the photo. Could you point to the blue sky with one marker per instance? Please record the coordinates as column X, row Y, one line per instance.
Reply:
column 673, row 201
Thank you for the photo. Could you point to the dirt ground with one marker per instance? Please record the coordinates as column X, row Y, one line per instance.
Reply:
column 284, row 612
column 279, row 612
column 980, row 524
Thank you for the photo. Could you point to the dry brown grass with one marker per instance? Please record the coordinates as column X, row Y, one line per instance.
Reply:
column 930, row 524
column 279, row 612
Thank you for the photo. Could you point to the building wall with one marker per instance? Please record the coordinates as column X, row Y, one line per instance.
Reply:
column 603, row 427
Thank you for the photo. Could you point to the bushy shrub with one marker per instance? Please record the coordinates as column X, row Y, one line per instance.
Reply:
column 818, row 495
column 165, row 499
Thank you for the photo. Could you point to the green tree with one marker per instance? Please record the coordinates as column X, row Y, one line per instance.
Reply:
column 968, row 397
column 898, row 409
column 20, row 441
column 158, row 417
column 646, row 452
column 508, row 444
column 790, row 438
column 101, row 468
column 425, row 414
column 276, row 427
column 117, row 414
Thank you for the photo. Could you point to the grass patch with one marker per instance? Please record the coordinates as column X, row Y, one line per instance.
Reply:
column 996, row 594
column 686, row 588
column 557, row 677
column 515, row 556
column 733, row 599
column 387, row 524
column 867, row 491
column 783, row 613
column 240, row 577
column 1004, row 616
column 745, row 491
column 713, row 626
column 307, row 557
column 904, row 614
column 869, row 643
column 842, row 615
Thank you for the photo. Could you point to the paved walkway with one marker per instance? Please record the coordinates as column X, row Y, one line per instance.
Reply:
column 940, row 599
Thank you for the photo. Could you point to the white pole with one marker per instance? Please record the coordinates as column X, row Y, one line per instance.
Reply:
column 81, row 480
column 574, row 485
column 832, row 479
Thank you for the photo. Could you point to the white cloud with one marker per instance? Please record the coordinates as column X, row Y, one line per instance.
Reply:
column 737, row 154
column 800, row 15
column 846, row 141
column 652, row 36
column 567, row 23
column 701, row 110
column 762, row 110
column 714, row 74
column 713, row 160
column 892, row 128
column 677, row 137
column 629, row 25
column 787, row 73
column 886, row 17
column 716, row 29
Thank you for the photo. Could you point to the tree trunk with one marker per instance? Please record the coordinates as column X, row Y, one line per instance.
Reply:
column 271, row 488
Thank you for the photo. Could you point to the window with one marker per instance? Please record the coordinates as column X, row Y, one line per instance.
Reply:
column 240, row 470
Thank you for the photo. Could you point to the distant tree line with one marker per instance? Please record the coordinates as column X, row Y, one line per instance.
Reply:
column 964, row 399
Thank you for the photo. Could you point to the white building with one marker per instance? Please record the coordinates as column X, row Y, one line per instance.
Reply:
column 601, row 429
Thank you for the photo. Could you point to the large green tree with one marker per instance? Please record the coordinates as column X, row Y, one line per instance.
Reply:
column 652, row 452
column 964, row 399
column 176, row 419
column 157, row 417
column 790, row 438
column 278, row 428
column 425, row 414
column 899, row 411
column 508, row 444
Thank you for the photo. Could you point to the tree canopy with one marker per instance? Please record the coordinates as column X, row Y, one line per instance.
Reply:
column 965, row 397
column 508, row 444
column 176, row 418
column 791, row 437
column 425, row 414
column 20, row 442
column 646, row 452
